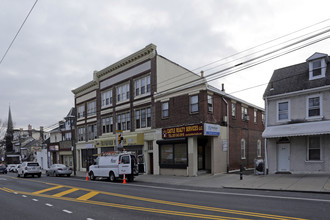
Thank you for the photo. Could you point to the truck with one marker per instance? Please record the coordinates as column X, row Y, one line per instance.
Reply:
column 117, row 165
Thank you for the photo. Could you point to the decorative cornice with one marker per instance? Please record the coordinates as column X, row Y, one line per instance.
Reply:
column 92, row 84
column 147, row 53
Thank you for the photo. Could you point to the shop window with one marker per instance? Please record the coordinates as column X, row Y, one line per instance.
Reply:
column 173, row 155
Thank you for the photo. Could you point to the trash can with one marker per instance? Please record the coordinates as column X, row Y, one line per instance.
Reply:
column 259, row 167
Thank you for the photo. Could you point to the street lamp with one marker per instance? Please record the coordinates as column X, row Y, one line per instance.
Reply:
column 71, row 118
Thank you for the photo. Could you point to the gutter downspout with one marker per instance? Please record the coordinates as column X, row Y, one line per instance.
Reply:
column 227, row 134
column 266, row 124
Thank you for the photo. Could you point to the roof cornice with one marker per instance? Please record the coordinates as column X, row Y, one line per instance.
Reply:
column 139, row 56
column 86, row 87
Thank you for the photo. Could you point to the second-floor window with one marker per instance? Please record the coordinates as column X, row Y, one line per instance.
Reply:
column 124, row 121
column 283, row 111
column 92, row 132
column 233, row 110
column 165, row 110
column 106, row 98
column 210, row 103
column 82, row 134
column 143, row 118
column 255, row 115
column 314, row 106
column 107, row 124
column 244, row 113
column 123, row 92
column 91, row 108
column 81, row 111
column 194, row 104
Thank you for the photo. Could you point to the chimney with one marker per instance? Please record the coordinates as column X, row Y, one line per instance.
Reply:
column 202, row 74
column 30, row 130
column 222, row 87
column 41, row 133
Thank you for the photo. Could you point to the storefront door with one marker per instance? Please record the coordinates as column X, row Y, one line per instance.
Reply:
column 201, row 157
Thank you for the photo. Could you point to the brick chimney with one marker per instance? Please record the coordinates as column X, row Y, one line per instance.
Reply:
column 30, row 130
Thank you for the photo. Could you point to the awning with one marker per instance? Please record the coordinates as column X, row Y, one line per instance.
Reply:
column 299, row 129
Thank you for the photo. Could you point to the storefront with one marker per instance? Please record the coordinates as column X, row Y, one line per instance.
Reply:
column 191, row 149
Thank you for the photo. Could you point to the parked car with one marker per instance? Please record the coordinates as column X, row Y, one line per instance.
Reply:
column 10, row 167
column 29, row 168
column 59, row 170
column 3, row 169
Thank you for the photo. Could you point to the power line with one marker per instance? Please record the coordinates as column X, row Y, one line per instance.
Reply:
column 12, row 42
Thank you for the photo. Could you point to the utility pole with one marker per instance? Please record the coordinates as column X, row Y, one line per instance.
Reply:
column 71, row 118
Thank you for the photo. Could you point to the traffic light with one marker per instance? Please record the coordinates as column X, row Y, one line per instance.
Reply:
column 119, row 139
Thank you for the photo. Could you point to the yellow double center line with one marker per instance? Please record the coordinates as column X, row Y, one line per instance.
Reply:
column 85, row 198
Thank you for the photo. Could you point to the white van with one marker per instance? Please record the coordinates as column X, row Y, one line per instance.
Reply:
column 114, row 166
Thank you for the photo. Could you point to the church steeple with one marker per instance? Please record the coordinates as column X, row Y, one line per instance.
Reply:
column 9, row 133
column 10, row 126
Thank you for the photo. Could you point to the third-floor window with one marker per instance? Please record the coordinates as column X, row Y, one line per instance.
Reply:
column 143, row 118
column 142, row 86
column 81, row 111
column 123, row 92
column 91, row 108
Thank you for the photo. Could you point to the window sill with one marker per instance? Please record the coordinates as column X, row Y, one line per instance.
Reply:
column 314, row 161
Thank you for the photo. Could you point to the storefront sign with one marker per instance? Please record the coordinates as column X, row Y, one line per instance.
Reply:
column 53, row 148
column 183, row 131
column 136, row 139
column 211, row 129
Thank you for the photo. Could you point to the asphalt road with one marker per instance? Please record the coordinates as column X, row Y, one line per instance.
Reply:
column 75, row 198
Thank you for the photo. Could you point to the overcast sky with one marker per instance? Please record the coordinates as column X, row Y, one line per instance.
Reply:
column 64, row 41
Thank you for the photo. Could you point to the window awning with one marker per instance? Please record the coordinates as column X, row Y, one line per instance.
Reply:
column 299, row 129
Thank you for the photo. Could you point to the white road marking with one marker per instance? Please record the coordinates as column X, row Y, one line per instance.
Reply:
column 47, row 204
column 67, row 211
column 3, row 179
column 24, row 196
column 89, row 219
column 36, row 200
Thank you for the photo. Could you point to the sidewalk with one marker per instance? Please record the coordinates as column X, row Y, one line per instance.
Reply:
column 282, row 182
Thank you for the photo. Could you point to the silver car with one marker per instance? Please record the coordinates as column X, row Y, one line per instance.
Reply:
column 59, row 170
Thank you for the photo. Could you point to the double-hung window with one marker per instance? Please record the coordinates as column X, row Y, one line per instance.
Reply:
column 314, row 106
column 81, row 111
column 210, row 103
column 243, row 156
column 233, row 110
column 283, row 112
column 314, row 148
column 317, row 69
column 194, row 104
column 92, row 132
column 143, row 118
column 106, row 98
column 91, row 108
column 142, row 86
column 255, row 116
column 107, row 124
column 165, row 110
column 123, row 92
column 124, row 121
column 81, row 134
column 244, row 113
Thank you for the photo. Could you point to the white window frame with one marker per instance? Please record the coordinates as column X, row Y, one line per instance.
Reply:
column 123, row 92
column 210, row 103
column 320, row 96
column 143, row 118
column 259, row 148
column 322, row 67
column 92, row 131
column 81, row 111
column 278, row 111
column 81, row 134
column 91, row 108
column 142, row 86
column 255, row 116
column 193, row 104
column 243, row 149
column 308, row 148
column 245, row 113
column 107, row 124
column 106, row 98
column 123, row 121
column 233, row 109
column 165, row 109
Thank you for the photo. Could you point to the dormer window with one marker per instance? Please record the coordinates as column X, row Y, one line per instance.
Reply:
column 317, row 65
column 317, row 69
